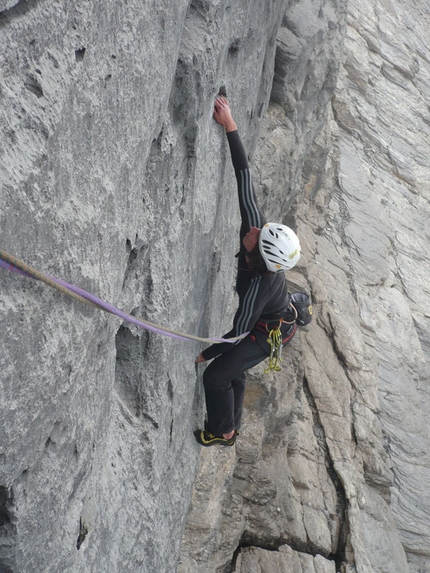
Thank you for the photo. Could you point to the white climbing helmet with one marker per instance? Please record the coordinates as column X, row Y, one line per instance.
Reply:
column 279, row 247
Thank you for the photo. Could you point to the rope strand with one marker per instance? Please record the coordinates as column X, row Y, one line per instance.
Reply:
column 11, row 263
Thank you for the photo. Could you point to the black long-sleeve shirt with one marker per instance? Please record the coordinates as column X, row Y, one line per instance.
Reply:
column 260, row 297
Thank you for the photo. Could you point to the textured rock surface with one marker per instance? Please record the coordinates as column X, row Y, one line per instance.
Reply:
column 351, row 441
column 256, row 560
column 113, row 173
column 113, row 177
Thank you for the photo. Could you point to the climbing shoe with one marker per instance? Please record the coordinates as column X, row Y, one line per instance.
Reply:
column 205, row 438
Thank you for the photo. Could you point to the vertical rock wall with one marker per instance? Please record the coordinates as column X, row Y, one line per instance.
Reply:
column 378, row 215
column 281, row 506
column 115, row 177
column 331, row 472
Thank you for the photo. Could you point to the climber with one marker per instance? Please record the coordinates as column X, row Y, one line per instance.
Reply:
column 266, row 251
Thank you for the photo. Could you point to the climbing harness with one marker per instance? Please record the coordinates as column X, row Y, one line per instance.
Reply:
column 11, row 263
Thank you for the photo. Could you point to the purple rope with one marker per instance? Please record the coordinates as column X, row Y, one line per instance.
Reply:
column 110, row 308
column 12, row 268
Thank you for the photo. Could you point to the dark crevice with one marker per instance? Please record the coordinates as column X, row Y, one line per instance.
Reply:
column 171, row 432
column 49, row 442
column 79, row 55
column 129, row 351
column 132, row 256
column 83, row 532
column 6, row 498
column 137, row 261
column 319, row 433
column 182, row 102
column 170, row 389
column 4, row 568
column 296, row 544
column 274, row 545
column 154, row 422
column 33, row 85
column 234, row 560
column 234, row 48
column 7, row 530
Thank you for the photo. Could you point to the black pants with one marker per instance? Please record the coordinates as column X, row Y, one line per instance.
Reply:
column 224, row 380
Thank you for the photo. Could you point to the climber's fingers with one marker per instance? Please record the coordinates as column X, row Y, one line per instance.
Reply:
column 222, row 112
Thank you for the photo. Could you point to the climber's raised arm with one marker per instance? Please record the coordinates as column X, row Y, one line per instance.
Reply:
column 249, row 210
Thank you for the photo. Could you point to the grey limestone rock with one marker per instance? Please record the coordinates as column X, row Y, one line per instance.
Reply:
column 285, row 560
column 354, row 177
column 115, row 177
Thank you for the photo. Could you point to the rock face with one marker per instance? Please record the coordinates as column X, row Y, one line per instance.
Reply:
column 115, row 177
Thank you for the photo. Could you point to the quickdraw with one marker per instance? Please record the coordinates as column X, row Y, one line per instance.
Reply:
column 276, row 343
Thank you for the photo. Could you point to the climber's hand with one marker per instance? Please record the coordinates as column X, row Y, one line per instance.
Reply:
column 222, row 114
column 200, row 359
